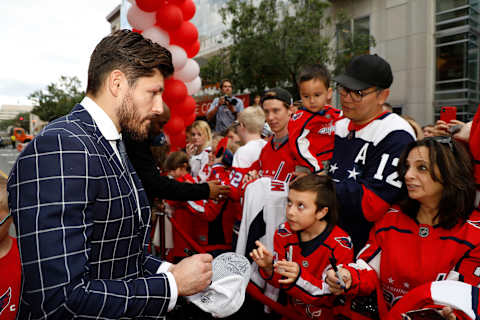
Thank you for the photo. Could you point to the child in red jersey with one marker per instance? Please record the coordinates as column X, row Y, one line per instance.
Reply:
column 10, row 268
column 305, row 246
column 311, row 129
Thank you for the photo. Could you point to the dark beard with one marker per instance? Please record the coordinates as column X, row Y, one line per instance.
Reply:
column 130, row 122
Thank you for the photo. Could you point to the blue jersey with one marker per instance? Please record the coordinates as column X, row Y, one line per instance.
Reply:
column 364, row 167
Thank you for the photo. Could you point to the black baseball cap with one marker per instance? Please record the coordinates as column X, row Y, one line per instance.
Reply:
column 366, row 71
column 278, row 94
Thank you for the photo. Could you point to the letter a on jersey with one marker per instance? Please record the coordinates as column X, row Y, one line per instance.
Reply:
column 362, row 154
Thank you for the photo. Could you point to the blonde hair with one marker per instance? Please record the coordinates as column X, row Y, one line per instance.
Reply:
column 253, row 119
column 3, row 194
column 204, row 128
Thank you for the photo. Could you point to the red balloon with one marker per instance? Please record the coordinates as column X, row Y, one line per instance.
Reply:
column 188, row 9
column 189, row 120
column 177, row 2
column 169, row 17
column 193, row 49
column 177, row 142
column 174, row 126
column 175, row 92
column 184, row 36
column 137, row 30
column 150, row 5
column 186, row 107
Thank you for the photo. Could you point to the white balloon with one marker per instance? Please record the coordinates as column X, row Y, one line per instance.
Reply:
column 194, row 86
column 179, row 57
column 189, row 72
column 157, row 35
column 139, row 19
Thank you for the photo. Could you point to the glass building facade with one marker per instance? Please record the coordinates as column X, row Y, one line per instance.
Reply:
column 457, row 57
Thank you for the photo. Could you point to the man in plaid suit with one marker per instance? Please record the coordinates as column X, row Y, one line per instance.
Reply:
column 80, row 211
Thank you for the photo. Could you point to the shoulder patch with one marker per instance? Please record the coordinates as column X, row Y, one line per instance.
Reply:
column 297, row 116
column 283, row 231
column 345, row 242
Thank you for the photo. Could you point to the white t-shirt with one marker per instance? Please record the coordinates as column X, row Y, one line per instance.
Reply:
column 248, row 154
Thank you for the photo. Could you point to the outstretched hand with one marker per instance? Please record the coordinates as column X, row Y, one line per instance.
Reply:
column 263, row 258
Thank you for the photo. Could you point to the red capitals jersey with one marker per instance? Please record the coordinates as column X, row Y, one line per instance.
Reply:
column 275, row 161
column 312, row 135
column 10, row 282
column 403, row 255
column 474, row 145
column 309, row 295
column 209, row 210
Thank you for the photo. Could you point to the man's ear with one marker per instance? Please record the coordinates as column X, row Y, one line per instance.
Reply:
column 383, row 96
column 320, row 214
column 116, row 82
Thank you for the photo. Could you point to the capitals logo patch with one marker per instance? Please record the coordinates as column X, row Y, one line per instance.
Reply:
column 282, row 231
column 297, row 116
column 476, row 224
column 345, row 242
column 5, row 299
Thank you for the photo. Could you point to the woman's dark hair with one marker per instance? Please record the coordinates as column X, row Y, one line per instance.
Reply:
column 130, row 53
column 455, row 170
column 324, row 187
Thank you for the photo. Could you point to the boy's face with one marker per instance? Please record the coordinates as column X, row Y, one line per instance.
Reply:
column 5, row 226
column 302, row 213
column 314, row 94
column 179, row 172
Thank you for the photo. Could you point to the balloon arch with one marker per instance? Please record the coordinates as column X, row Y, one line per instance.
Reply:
column 166, row 22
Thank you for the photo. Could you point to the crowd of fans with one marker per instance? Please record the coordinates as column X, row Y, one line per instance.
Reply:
column 372, row 204
column 405, row 192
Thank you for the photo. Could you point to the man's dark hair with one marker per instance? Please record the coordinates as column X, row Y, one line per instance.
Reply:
column 455, row 172
column 223, row 81
column 130, row 53
column 324, row 188
column 316, row 72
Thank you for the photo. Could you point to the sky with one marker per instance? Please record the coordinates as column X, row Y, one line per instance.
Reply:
column 42, row 40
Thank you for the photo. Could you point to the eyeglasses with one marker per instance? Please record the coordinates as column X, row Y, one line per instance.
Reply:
column 5, row 219
column 356, row 95
column 443, row 140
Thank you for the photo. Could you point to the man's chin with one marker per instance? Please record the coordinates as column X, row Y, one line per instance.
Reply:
column 136, row 134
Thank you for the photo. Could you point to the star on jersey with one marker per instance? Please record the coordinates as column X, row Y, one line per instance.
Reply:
column 390, row 280
column 406, row 285
column 333, row 168
column 353, row 174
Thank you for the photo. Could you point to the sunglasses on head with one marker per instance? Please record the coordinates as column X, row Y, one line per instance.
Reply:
column 442, row 140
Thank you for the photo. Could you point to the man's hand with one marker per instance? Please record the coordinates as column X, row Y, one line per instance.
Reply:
column 218, row 190
column 263, row 258
column 287, row 269
column 334, row 283
column 193, row 274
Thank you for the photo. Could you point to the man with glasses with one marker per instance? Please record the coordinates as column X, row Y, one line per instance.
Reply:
column 223, row 110
column 368, row 143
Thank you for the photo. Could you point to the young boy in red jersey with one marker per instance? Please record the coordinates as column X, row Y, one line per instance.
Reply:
column 10, row 268
column 305, row 246
column 312, row 127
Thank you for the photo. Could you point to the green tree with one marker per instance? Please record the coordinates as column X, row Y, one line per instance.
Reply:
column 216, row 68
column 58, row 98
column 273, row 39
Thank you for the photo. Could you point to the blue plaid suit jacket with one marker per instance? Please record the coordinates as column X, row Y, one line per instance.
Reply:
column 81, row 239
